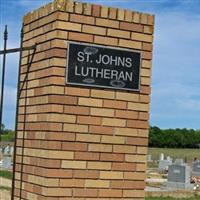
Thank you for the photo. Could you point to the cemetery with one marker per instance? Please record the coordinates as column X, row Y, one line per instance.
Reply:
column 83, row 111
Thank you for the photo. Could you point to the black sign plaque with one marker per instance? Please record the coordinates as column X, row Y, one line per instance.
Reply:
column 100, row 66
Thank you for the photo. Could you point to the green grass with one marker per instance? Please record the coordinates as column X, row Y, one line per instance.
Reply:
column 5, row 188
column 171, row 198
column 7, row 137
column 6, row 174
column 187, row 154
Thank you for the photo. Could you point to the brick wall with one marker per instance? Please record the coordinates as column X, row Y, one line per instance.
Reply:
column 78, row 142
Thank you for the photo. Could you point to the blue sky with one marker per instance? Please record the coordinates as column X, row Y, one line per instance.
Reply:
column 175, row 101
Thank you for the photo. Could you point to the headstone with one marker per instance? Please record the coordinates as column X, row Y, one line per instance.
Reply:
column 162, row 156
column 149, row 158
column 179, row 161
column 7, row 162
column 11, row 150
column 196, row 168
column 169, row 158
column 163, row 165
column 179, row 176
column 7, row 150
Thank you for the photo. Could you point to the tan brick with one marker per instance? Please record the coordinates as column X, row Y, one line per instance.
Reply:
column 137, row 141
column 141, row 167
column 87, row 9
column 130, row 44
column 102, row 94
column 111, row 175
column 73, row 164
column 116, row 194
column 145, row 81
column 144, row 19
column 104, row 12
column 138, row 106
column 107, row 23
column 80, row 37
column 81, row 19
column 105, row 40
column 61, row 118
column 126, row 131
column 126, row 114
column 79, row 110
column 142, row 150
column 99, row 165
column 113, row 139
column 86, row 156
column 131, row 27
column 94, row 30
column 136, row 17
column 114, row 104
column 87, row 138
column 124, row 166
column 72, row 183
column 101, row 130
column 97, row 184
column 75, row 128
column 89, row 120
column 135, row 158
column 137, row 124
column 143, row 132
column 146, row 72
column 90, row 102
column 141, row 37
column 70, row 6
column 113, row 13
column 118, row 33
column 100, row 147
column 74, row 146
column 102, row 112
column 134, row 176
column 120, row 14
column 87, row 174
column 149, row 29
column 127, row 96
column 56, row 192
column 78, row 7
column 124, row 149
column 85, row 193
column 128, row 15
column 147, row 46
column 113, row 122
column 77, row 91
column 68, row 26
column 112, row 157
column 96, row 10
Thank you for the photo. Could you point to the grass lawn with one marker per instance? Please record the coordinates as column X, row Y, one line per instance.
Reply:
column 7, row 137
column 171, row 198
column 6, row 174
column 187, row 154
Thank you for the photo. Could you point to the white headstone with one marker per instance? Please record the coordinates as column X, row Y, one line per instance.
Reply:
column 6, row 163
column 149, row 158
column 162, row 156
column 163, row 165
column 179, row 161
column 196, row 168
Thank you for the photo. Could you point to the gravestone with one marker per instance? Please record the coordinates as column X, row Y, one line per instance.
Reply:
column 196, row 168
column 7, row 162
column 163, row 165
column 179, row 161
column 149, row 158
column 179, row 176
column 169, row 158
column 162, row 156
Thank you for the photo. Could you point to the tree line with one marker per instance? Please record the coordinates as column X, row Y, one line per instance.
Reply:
column 174, row 138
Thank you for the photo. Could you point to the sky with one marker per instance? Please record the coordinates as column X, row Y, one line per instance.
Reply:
column 175, row 99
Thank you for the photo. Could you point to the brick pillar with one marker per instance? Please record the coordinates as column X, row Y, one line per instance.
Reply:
column 81, row 142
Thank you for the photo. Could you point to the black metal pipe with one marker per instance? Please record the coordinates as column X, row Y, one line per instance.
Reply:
column 3, row 77
column 16, row 50
column 17, row 112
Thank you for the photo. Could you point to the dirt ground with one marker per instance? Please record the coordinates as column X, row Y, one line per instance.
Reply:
column 5, row 193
